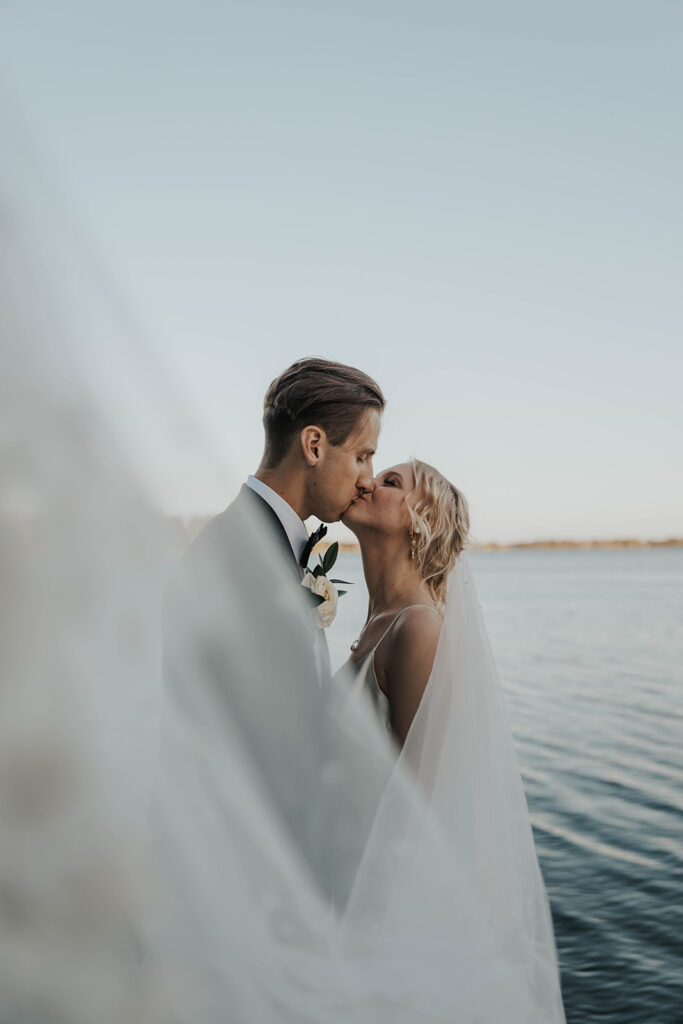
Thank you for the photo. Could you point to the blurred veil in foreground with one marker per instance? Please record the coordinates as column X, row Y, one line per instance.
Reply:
column 241, row 845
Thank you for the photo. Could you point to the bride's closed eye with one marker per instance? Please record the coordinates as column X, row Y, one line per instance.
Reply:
column 390, row 481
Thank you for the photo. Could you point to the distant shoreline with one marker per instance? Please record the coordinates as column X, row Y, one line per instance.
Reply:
column 584, row 545
column 554, row 545
column 191, row 525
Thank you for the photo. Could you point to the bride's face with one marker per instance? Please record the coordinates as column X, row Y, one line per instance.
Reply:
column 384, row 507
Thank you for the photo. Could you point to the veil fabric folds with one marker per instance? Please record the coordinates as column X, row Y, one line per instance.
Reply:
column 462, row 879
column 409, row 888
column 244, row 845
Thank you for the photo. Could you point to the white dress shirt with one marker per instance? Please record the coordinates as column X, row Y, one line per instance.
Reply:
column 297, row 533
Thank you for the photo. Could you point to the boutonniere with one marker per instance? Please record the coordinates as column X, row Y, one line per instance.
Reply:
column 322, row 591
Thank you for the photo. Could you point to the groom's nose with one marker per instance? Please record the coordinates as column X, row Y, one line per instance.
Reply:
column 366, row 481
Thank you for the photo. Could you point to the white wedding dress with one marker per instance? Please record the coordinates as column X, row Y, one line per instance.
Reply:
column 450, row 865
column 364, row 680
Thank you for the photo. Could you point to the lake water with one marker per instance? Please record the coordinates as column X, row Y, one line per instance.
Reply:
column 589, row 645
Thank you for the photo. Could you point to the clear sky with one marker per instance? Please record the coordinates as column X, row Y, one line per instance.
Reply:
column 479, row 204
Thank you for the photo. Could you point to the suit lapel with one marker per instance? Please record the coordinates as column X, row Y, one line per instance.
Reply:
column 279, row 534
column 278, row 531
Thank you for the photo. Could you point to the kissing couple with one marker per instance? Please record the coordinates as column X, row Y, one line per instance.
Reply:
column 425, row 893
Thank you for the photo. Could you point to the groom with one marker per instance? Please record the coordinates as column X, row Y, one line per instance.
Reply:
column 238, row 636
column 321, row 422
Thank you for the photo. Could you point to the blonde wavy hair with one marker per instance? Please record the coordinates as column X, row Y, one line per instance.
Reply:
column 440, row 520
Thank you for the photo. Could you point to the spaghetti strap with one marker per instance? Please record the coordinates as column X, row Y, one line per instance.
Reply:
column 393, row 623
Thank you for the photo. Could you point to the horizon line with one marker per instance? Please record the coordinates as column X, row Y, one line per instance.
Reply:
column 193, row 523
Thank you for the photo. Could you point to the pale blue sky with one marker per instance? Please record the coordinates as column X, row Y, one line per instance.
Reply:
column 479, row 204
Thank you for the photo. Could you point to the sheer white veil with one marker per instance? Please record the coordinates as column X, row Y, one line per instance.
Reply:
column 250, row 854
column 433, row 907
column 461, row 897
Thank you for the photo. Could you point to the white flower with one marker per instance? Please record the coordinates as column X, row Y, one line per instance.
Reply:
column 323, row 613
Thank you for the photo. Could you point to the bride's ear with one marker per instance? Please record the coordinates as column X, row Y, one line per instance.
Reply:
column 313, row 441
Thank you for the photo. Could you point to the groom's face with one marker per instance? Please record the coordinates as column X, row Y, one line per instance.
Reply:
column 345, row 469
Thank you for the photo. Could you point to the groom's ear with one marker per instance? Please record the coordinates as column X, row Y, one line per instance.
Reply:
column 313, row 442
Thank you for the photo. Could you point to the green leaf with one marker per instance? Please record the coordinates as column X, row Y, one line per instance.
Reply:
column 330, row 556
column 315, row 599
column 342, row 592
column 349, row 583
column 318, row 571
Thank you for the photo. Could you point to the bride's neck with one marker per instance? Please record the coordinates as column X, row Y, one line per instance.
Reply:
column 389, row 574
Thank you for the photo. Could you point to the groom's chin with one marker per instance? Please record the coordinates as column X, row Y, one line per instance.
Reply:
column 347, row 516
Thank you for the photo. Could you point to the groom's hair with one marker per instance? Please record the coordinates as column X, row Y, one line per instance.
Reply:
column 316, row 391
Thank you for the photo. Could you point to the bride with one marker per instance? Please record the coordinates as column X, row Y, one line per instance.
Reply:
column 455, row 871
column 412, row 525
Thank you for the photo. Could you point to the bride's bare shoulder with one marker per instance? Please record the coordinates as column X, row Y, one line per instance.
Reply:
column 418, row 626
column 410, row 644
column 416, row 619
column 405, row 665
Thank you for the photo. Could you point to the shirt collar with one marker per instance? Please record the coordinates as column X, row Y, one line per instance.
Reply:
column 293, row 526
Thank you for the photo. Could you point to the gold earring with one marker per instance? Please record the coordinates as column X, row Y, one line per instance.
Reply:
column 413, row 542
